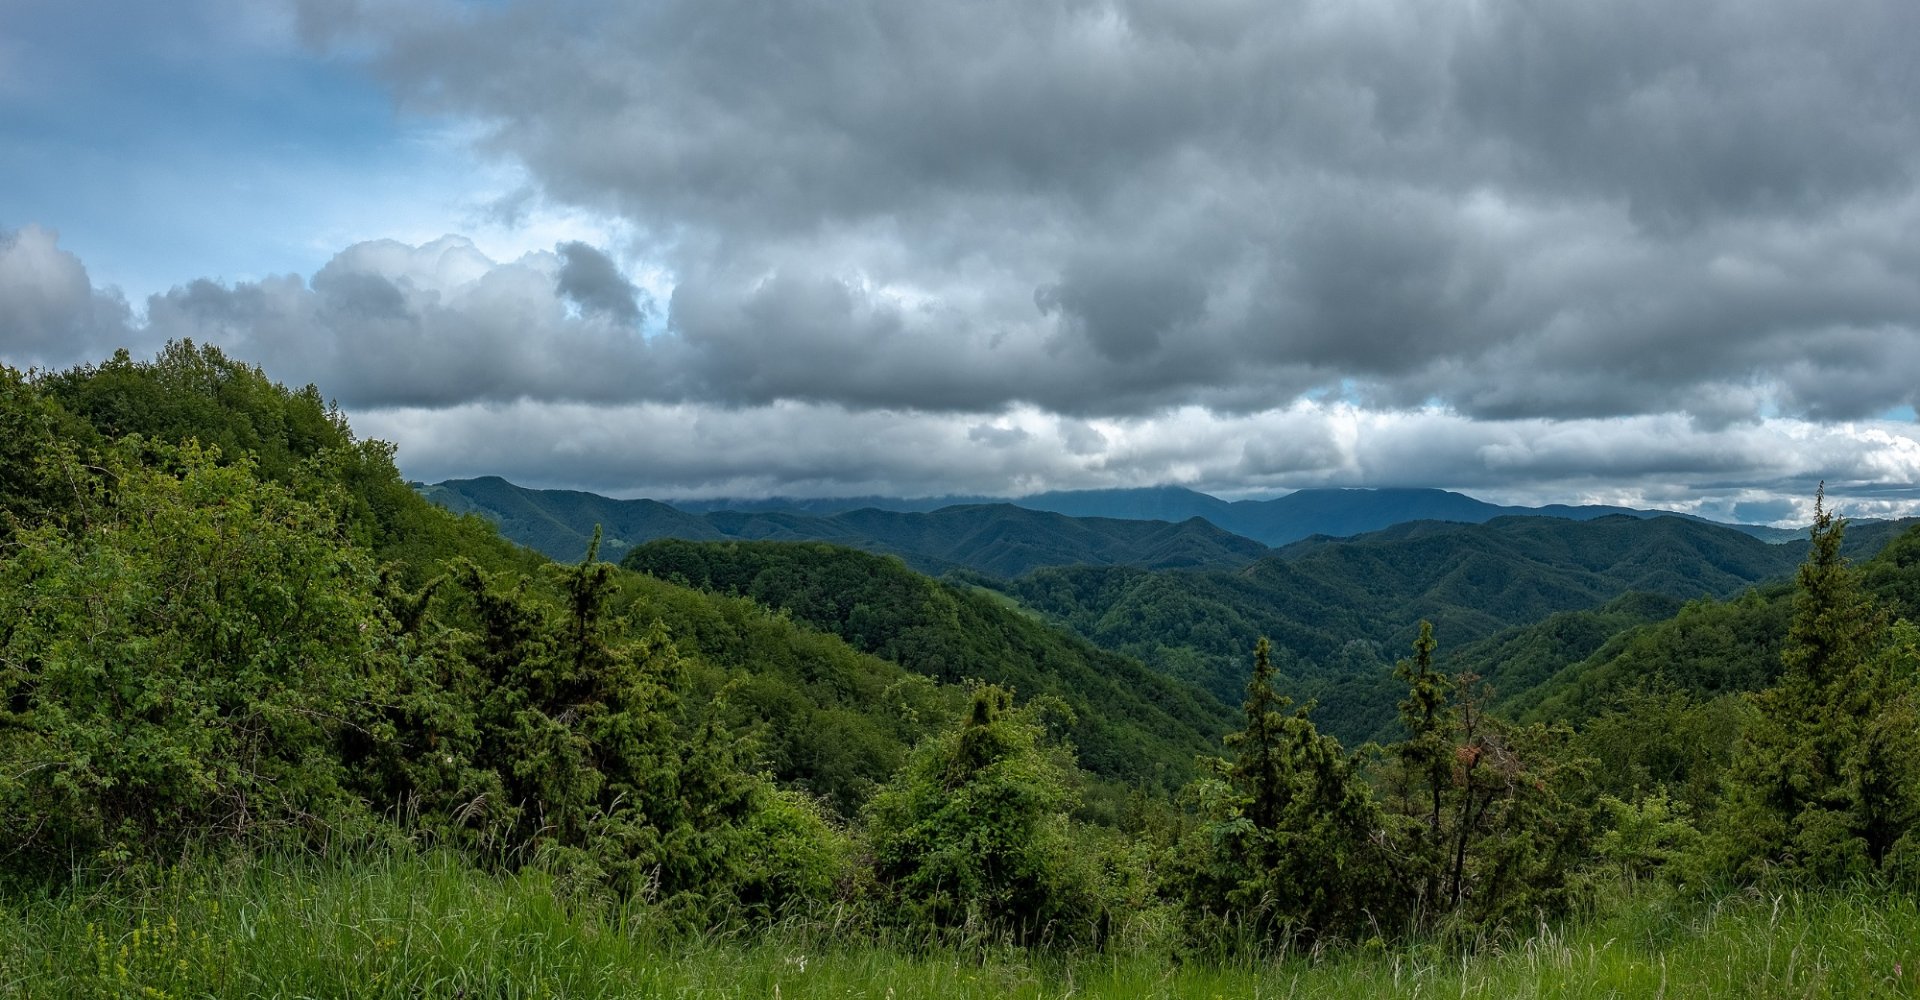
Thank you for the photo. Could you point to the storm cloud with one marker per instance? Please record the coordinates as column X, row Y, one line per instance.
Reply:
column 1110, row 208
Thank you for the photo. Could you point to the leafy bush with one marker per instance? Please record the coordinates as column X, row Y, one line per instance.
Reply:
column 180, row 665
column 972, row 834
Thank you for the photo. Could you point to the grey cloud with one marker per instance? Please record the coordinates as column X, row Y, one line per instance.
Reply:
column 1124, row 308
column 1516, row 210
column 593, row 281
column 385, row 323
column 997, row 437
column 690, row 449
column 1764, row 511
column 1730, row 108
column 50, row 312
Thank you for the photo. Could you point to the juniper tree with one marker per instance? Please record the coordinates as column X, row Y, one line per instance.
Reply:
column 1483, row 828
column 1286, row 840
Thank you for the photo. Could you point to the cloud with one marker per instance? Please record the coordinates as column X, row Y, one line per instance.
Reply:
column 50, row 313
column 591, row 280
column 385, row 324
column 1111, row 208
column 475, row 366
column 1539, row 251
column 1766, row 470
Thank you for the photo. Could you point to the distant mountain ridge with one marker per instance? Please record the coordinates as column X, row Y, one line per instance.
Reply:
column 996, row 539
column 1333, row 511
column 559, row 522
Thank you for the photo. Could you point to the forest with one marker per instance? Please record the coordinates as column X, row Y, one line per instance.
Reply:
column 274, row 723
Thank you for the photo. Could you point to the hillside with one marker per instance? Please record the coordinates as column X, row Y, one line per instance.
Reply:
column 270, row 655
column 821, row 716
column 1710, row 647
column 1128, row 722
column 995, row 539
column 1341, row 611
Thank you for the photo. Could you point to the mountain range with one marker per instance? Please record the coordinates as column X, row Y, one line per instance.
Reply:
column 998, row 537
column 1300, row 514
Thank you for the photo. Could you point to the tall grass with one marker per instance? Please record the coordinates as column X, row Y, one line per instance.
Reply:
column 431, row 926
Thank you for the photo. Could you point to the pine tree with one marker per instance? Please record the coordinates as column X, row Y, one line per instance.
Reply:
column 1261, row 766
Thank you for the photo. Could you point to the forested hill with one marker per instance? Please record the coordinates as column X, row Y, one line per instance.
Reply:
column 1340, row 611
column 995, row 539
column 1706, row 648
column 228, row 548
column 1128, row 721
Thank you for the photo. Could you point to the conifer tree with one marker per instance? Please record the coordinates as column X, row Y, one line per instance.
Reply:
column 1483, row 830
column 1425, row 756
column 1823, row 780
column 1286, row 844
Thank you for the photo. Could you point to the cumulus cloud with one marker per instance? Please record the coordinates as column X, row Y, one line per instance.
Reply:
column 50, row 313
column 385, row 323
column 476, row 366
column 591, row 280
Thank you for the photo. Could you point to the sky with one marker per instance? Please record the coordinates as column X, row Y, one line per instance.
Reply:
column 1611, row 251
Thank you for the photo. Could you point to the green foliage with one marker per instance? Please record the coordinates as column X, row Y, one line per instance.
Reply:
column 1130, row 725
column 1715, row 647
column 1826, row 781
column 973, row 832
column 1283, row 846
column 40, row 477
column 1653, row 838
column 997, row 540
column 198, row 393
column 402, row 927
column 1663, row 742
column 1489, row 818
column 826, row 719
column 180, row 665
column 1710, row 648
column 1426, row 755
column 195, row 650
column 1334, row 605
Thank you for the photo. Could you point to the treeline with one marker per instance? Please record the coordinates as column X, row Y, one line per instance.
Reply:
column 227, row 625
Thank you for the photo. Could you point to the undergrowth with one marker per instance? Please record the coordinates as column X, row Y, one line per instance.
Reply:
column 427, row 925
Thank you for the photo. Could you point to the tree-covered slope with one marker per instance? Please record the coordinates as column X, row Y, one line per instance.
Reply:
column 559, row 523
column 1713, row 646
column 1130, row 723
column 1339, row 611
column 822, row 716
column 995, row 539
